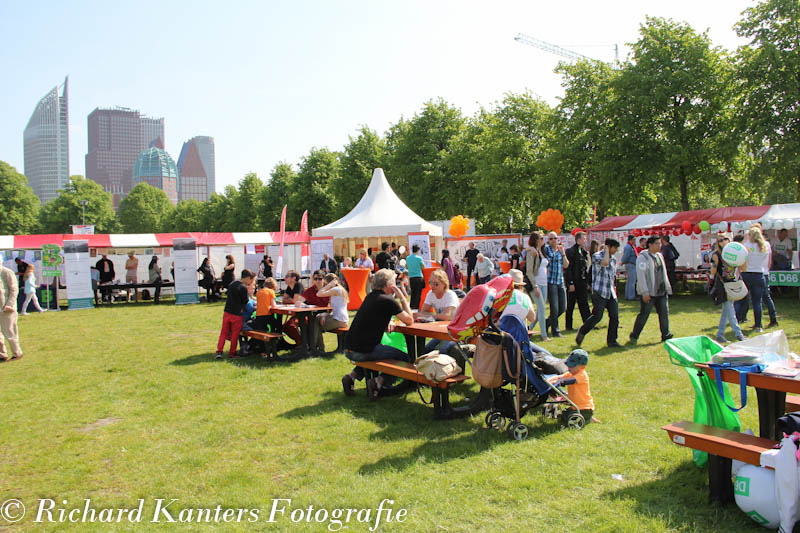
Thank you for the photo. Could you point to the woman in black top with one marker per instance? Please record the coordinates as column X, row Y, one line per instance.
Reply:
column 228, row 274
column 515, row 257
column 208, row 279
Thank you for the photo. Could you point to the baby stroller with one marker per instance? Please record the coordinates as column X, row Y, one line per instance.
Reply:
column 524, row 371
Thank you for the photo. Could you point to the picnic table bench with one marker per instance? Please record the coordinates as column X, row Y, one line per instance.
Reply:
column 401, row 369
column 268, row 337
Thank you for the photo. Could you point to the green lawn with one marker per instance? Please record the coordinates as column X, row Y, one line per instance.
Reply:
column 127, row 402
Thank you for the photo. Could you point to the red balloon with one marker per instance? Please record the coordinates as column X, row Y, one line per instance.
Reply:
column 637, row 232
column 676, row 232
column 687, row 232
column 697, row 230
column 686, row 225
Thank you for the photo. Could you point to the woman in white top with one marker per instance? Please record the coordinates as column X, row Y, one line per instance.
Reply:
column 483, row 267
column 441, row 304
column 520, row 303
column 30, row 292
column 338, row 316
column 536, row 270
column 758, row 260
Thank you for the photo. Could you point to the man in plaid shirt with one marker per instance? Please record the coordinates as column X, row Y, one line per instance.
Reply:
column 604, row 294
column 556, row 294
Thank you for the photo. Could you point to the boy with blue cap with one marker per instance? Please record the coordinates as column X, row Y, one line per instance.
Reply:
column 579, row 392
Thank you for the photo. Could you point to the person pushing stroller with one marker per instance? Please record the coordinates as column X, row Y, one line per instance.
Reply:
column 577, row 381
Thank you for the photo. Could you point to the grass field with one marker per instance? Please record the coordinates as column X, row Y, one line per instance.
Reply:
column 127, row 402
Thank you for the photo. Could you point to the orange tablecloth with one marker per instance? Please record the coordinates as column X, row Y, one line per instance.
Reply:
column 357, row 283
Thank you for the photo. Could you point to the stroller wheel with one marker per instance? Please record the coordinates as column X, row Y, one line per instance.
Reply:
column 496, row 421
column 575, row 421
column 517, row 431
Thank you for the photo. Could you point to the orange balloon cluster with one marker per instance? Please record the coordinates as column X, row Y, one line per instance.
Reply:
column 550, row 220
column 459, row 225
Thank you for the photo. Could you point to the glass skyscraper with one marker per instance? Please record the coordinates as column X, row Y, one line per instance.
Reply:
column 46, row 144
column 196, row 168
column 116, row 137
column 155, row 167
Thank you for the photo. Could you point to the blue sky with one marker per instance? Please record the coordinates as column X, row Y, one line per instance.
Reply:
column 270, row 80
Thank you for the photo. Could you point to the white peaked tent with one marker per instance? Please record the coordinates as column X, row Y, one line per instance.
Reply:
column 379, row 213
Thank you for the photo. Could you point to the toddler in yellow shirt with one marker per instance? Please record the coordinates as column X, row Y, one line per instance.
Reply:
column 579, row 392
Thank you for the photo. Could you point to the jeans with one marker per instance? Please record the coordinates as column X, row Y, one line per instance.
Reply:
column 481, row 281
column 557, row 298
column 728, row 316
column 661, row 304
column 581, row 297
column 773, row 315
column 541, row 310
column 436, row 344
column 379, row 353
column 754, row 281
column 417, row 285
column 630, row 285
column 599, row 305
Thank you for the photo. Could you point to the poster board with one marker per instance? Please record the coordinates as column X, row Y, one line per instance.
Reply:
column 421, row 239
column 488, row 245
column 319, row 247
column 184, row 260
column 78, row 277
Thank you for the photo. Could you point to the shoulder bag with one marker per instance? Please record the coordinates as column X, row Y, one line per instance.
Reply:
column 437, row 366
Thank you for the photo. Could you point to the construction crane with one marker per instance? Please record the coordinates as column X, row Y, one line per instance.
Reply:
column 558, row 50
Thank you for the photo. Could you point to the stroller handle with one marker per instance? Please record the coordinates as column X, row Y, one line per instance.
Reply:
column 570, row 381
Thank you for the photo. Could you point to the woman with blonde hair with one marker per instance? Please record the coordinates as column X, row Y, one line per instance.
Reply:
column 726, row 273
column 440, row 303
column 753, row 272
column 338, row 316
column 30, row 291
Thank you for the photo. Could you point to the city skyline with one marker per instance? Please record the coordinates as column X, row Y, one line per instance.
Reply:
column 46, row 144
column 196, row 168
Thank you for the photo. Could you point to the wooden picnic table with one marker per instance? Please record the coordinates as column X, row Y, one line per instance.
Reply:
column 304, row 314
column 770, row 391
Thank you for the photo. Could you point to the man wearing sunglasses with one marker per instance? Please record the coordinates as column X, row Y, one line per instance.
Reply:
column 556, row 294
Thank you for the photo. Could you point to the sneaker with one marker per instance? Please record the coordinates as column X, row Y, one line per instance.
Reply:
column 218, row 355
column 633, row 341
column 740, row 337
column 614, row 344
column 24, row 313
column 373, row 391
column 347, row 385
column 45, row 310
column 758, row 330
column 721, row 339
column 579, row 338
column 557, row 335
column 772, row 324
column 667, row 337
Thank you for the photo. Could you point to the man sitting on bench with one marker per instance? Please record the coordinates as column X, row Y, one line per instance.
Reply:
column 363, row 341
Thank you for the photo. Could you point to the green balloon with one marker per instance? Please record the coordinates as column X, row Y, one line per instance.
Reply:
column 704, row 225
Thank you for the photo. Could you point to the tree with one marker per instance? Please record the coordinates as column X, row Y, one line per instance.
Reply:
column 769, row 73
column 362, row 155
column 58, row 215
column 187, row 216
column 673, row 112
column 311, row 189
column 18, row 203
column 246, row 213
column 216, row 212
column 145, row 209
column 276, row 194
column 417, row 160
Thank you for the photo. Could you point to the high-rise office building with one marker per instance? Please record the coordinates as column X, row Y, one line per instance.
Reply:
column 46, row 144
column 156, row 167
column 116, row 137
column 204, row 146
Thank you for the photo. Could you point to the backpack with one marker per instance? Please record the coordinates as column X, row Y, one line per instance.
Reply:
column 787, row 424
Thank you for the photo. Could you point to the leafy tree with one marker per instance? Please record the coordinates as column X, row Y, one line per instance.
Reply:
column 417, row 154
column 246, row 213
column 187, row 216
column 276, row 194
column 58, row 215
column 673, row 112
column 362, row 155
column 145, row 209
column 769, row 72
column 312, row 189
column 18, row 203
column 216, row 212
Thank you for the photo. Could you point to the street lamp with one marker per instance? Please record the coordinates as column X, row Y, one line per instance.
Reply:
column 83, row 204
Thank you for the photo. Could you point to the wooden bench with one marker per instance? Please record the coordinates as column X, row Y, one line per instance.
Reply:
column 270, row 338
column 722, row 446
column 792, row 403
column 340, row 333
column 401, row 369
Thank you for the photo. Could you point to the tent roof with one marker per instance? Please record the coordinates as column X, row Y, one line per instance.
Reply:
column 712, row 216
column 150, row 240
column 612, row 223
column 379, row 213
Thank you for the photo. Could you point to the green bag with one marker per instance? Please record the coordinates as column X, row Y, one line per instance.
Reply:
column 395, row 340
column 709, row 408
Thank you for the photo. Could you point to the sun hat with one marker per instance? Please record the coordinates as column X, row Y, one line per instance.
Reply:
column 577, row 357
column 516, row 275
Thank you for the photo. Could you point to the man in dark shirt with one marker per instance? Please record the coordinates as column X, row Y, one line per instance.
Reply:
column 232, row 315
column 471, row 256
column 328, row 264
column 671, row 255
column 363, row 340
column 384, row 259
column 107, row 275
column 576, row 277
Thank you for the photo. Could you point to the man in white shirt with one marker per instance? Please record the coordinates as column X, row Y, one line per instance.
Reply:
column 782, row 251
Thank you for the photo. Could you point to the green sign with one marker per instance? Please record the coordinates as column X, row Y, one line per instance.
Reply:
column 51, row 259
column 785, row 279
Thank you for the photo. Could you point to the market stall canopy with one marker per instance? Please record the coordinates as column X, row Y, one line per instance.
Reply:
column 379, row 213
column 151, row 240
column 612, row 223
column 712, row 216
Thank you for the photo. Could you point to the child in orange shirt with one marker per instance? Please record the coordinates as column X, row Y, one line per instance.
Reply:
column 265, row 298
column 579, row 392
